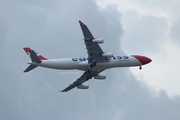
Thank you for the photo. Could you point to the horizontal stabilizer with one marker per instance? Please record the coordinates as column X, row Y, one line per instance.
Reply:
column 30, row 68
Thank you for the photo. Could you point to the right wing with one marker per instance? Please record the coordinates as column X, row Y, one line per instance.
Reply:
column 94, row 50
column 85, row 77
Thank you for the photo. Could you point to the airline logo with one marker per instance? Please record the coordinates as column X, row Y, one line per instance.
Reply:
column 112, row 58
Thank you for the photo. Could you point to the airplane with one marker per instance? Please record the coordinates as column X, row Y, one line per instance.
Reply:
column 96, row 62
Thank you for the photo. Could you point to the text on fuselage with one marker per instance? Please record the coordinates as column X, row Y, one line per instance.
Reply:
column 112, row 58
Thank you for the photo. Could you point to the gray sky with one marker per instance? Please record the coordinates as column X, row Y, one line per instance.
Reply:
column 154, row 27
column 51, row 28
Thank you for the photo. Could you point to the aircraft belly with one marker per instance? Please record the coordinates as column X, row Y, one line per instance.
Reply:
column 99, row 66
column 105, row 65
column 83, row 65
column 68, row 65
column 59, row 64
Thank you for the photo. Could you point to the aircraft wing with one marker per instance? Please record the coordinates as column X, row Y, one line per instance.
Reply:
column 85, row 77
column 93, row 49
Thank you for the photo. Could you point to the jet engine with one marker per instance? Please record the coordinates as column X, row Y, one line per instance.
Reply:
column 107, row 55
column 100, row 77
column 82, row 86
column 98, row 40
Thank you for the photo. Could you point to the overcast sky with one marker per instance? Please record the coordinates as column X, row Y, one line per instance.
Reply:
column 154, row 27
column 51, row 28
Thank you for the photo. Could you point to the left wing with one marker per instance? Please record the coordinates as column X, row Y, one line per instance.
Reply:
column 93, row 49
column 85, row 77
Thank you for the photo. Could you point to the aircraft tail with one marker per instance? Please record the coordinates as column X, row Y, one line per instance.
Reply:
column 27, row 50
column 35, row 57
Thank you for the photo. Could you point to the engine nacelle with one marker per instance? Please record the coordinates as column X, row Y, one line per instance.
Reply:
column 100, row 77
column 107, row 55
column 82, row 86
column 98, row 40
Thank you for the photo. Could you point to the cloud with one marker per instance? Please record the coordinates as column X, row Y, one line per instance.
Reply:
column 174, row 34
column 143, row 31
column 52, row 30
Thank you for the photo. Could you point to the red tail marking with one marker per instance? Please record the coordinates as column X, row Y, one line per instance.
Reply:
column 42, row 58
column 27, row 49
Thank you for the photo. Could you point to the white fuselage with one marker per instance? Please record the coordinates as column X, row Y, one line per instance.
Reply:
column 82, row 63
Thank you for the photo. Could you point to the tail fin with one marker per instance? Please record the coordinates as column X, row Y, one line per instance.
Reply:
column 27, row 50
column 34, row 58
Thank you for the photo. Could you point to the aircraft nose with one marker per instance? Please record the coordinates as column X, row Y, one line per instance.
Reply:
column 144, row 60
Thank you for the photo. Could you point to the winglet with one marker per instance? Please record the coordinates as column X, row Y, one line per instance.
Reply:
column 81, row 23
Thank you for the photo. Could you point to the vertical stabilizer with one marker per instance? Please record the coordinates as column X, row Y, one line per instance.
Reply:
column 34, row 57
